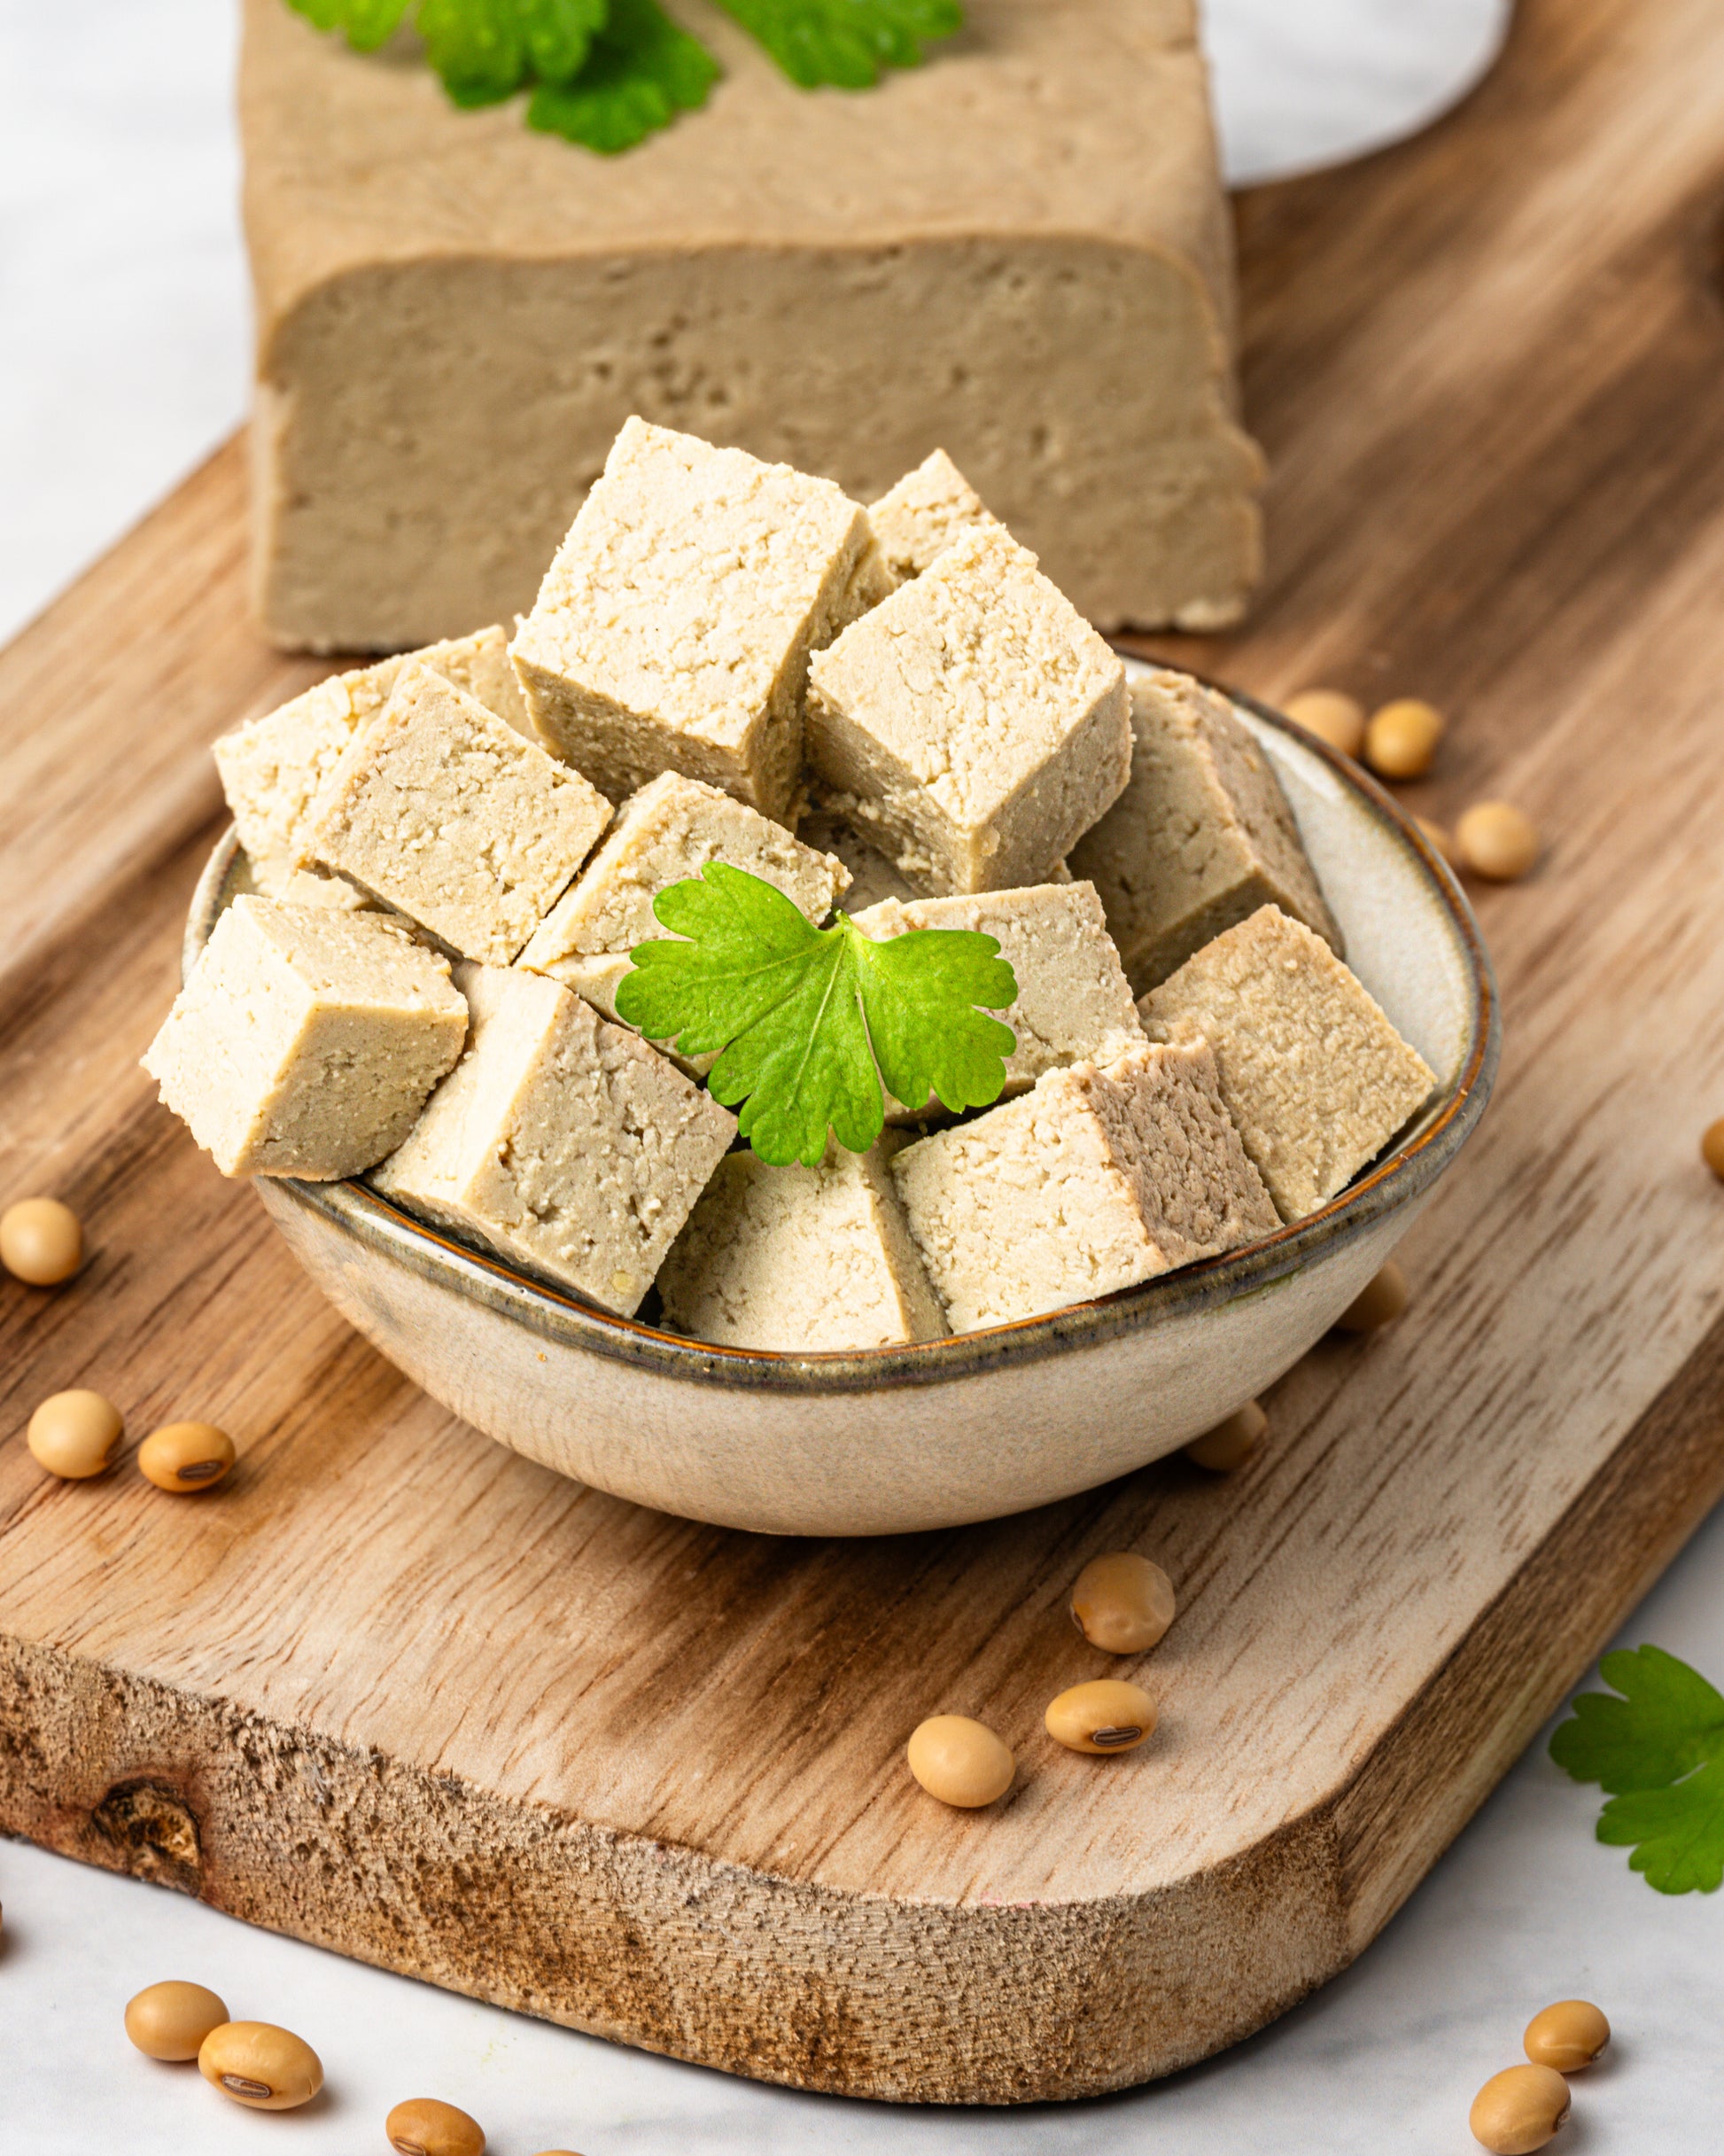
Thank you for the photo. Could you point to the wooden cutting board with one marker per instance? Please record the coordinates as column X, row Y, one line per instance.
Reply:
column 393, row 1689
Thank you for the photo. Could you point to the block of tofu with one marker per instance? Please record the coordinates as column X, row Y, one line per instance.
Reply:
column 1312, row 1071
column 1096, row 1179
column 565, row 1145
column 273, row 768
column 1202, row 837
column 800, row 1259
column 444, row 813
column 667, row 832
column 306, row 1040
column 1074, row 1000
column 923, row 514
column 972, row 724
column 672, row 630
column 1021, row 250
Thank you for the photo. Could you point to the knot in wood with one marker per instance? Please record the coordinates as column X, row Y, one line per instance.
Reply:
column 155, row 1833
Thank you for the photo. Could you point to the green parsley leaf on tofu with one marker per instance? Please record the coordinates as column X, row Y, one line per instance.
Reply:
column 848, row 44
column 365, row 24
column 485, row 49
column 640, row 72
column 1658, row 1751
column 809, row 1020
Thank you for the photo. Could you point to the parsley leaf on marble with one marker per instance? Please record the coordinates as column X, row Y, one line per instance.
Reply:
column 1657, row 1750
column 640, row 73
column 809, row 1020
column 848, row 44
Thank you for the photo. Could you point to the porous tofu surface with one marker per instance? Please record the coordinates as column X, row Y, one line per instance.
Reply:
column 1312, row 1071
column 972, row 725
column 919, row 518
column 595, row 979
column 1074, row 1002
column 673, row 628
column 273, row 768
column 1098, row 1179
column 667, row 832
column 566, row 1145
column 443, row 812
column 1202, row 838
column 872, row 876
column 805, row 1260
column 306, row 1040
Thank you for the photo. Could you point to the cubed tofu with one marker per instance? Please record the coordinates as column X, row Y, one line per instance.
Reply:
column 1074, row 1002
column 1312, row 1071
column 805, row 1260
column 273, row 768
column 974, row 724
column 872, row 876
column 915, row 521
column 673, row 631
column 1202, row 838
column 306, row 1040
column 1096, row 1179
column 666, row 832
column 565, row 1145
column 443, row 812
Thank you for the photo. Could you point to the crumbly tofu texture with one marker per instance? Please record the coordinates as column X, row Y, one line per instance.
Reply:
column 666, row 832
column 914, row 522
column 273, row 768
column 306, row 1040
column 673, row 631
column 973, row 724
column 804, row 1260
column 1312, row 1071
column 1202, row 838
column 565, row 1145
column 1096, row 1179
column 1074, row 1002
column 441, row 811
column 872, row 876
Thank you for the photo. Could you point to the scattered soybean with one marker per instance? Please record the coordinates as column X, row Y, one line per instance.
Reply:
column 186, row 1455
column 1519, row 2110
column 1107, row 1714
column 1379, row 1302
column 1711, row 1147
column 1332, row 716
column 264, row 2068
column 425, row 2127
column 1121, row 1602
column 40, row 1242
column 1495, row 840
column 1230, row 1443
column 73, row 1435
column 1568, row 2035
column 960, row 1761
column 171, row 2020
column 1400, row 739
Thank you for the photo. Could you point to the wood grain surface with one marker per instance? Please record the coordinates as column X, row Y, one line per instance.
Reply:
column 394, row 1689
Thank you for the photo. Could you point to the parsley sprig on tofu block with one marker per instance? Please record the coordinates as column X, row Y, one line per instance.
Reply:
column 811, row 1021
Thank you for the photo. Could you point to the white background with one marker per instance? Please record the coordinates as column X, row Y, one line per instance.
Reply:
column 122, row 360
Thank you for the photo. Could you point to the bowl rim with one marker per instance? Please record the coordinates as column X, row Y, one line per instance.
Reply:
column 1405, row 1172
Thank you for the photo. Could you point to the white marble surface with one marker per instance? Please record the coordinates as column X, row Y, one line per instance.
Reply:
column 122, row 359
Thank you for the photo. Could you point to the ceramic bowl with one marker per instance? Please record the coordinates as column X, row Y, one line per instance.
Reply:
column 890, row 1440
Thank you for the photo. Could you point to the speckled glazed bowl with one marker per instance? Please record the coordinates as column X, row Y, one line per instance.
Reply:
column 894, row 1439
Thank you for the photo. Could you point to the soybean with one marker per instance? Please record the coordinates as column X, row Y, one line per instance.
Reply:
column 1230, row 1443
column 1123, row 1603
column 1332, row 716
column 40, row 1242
column 1379, row 1302
column 424, row 2126
column 1711, row 1147
column 1568, row 2035
column 1400, row 739
column 186, row 1455
column 1107, row 1714
column 73, row 1435
column 960, row 1761
column 1518, row 2110
column 264, row 2068
column 1497, row 841
column 170, row 2020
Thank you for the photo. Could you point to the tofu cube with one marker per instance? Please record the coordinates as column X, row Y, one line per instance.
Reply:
column 872, row 876
column 974, row 724
column 565, row 1145
column 673, row 631
column 1202, row 838
column 306, row 1040
column 1312, row 1071
column 443, row 812
column 806, row 1260
column 273, row 768
column 1096, row 1179
column 931, row 507
column 1074, row 1002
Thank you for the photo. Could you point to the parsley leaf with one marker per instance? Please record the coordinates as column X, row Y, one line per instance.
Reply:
column 1659, row 1749
column 845, row 42
column 641, row 71
column 485, row 49
column 366, row 24
column 809, row 1019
